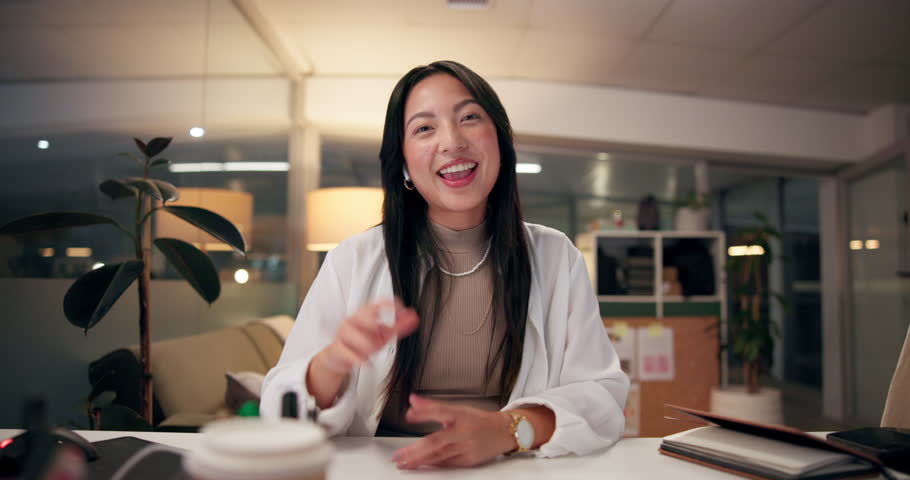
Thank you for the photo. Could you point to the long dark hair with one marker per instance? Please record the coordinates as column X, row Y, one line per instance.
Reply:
column 411, row 250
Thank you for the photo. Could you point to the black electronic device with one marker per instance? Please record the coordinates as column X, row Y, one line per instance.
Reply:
column 890, row 445
column 14, row 451
column 31, row 453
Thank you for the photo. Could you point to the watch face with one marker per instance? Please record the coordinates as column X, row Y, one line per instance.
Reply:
column 524, row 433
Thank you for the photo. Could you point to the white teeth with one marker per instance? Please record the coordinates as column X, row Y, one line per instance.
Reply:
column 459, row 167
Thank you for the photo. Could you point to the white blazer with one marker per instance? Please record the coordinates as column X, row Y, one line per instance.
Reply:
column 568, row 363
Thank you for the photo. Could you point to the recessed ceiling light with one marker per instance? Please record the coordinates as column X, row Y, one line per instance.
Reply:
column 44, row 144
column 197, row 132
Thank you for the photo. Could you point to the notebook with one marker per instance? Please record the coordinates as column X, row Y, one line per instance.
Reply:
column 763, row 451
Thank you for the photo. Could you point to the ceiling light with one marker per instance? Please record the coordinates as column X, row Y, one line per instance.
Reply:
column 527, row 168
column 197, row 132
column 856, row 244
column 79, row 252
column 872, row 244
column 469, row 4
column 43, row 144
column 194, row 167
column 256, row 166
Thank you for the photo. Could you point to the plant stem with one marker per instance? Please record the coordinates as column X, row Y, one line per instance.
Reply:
column 145, row 233
column 148, row 214
column 143, row 252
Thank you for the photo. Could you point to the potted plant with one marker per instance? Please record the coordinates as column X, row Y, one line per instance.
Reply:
column 92, row 295
column 751, row 331
column 692, row 212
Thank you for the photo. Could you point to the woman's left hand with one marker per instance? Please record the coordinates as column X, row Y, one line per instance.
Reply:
column 469, row 436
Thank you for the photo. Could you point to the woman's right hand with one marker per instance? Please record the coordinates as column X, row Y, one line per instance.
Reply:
column 359, row 336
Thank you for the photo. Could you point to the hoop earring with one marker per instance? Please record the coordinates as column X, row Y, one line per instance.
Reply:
column 408, row 182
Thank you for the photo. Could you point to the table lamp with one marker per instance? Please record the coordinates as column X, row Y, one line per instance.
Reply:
column 333, row 214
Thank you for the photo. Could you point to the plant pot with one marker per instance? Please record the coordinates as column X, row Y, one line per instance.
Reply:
column 735, row 402
column 691, row 219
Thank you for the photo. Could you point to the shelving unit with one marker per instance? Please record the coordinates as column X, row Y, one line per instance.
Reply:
column 614, row 246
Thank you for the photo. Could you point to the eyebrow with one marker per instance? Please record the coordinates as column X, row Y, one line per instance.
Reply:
column 458, row 106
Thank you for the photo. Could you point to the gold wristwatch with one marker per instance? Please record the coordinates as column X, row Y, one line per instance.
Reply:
column 523, row 431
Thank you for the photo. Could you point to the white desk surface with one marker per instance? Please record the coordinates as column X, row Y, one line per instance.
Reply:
column 367, row 457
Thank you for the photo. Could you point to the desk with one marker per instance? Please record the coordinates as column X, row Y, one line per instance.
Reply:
column 367, row 457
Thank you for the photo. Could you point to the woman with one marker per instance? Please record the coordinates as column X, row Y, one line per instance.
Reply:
column 494, row 341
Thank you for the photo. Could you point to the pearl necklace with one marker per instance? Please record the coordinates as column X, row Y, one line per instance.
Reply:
column 489, row 244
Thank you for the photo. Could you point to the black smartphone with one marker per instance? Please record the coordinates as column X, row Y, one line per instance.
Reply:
column 890, row 445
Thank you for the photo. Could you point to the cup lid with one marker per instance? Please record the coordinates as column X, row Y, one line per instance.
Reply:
column 248, row 448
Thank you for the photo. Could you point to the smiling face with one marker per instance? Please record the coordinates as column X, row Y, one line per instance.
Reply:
column 451, row 151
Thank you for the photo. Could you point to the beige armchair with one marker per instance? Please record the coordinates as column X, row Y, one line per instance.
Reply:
column 897, row 406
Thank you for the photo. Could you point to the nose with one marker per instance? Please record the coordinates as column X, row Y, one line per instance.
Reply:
column 452, row 139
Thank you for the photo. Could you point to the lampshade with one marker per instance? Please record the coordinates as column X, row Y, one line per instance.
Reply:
column 333, row 214
column 235, row 206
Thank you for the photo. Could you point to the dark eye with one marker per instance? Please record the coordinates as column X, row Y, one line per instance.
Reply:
column 471, row 116
column 422, row 129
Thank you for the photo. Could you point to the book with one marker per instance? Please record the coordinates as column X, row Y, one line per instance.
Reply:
column 762, row 451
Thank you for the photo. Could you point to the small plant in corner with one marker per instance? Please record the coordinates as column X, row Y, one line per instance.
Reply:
column 694, row 201
column 752, row 330
column 93, row 294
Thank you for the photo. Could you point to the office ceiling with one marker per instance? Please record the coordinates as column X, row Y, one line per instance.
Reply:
column 841, row 55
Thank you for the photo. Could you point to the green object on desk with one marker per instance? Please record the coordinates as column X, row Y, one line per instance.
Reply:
column 248, row 409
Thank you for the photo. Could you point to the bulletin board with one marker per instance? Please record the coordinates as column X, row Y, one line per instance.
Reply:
column 694, row 367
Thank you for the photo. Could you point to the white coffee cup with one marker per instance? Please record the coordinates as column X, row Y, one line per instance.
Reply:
column 255, row 449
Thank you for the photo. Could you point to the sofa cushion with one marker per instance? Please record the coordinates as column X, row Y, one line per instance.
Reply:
column 188, row 372
column 266, row 343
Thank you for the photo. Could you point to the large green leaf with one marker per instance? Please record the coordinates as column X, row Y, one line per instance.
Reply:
column 214, row 224
column 142, row 147
column 159, row 161
column 145, row 186
column 53, row 221
column 157, row 145
column 94, row 293
column 168, row 191
column 117, row 189
column 193, row 265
